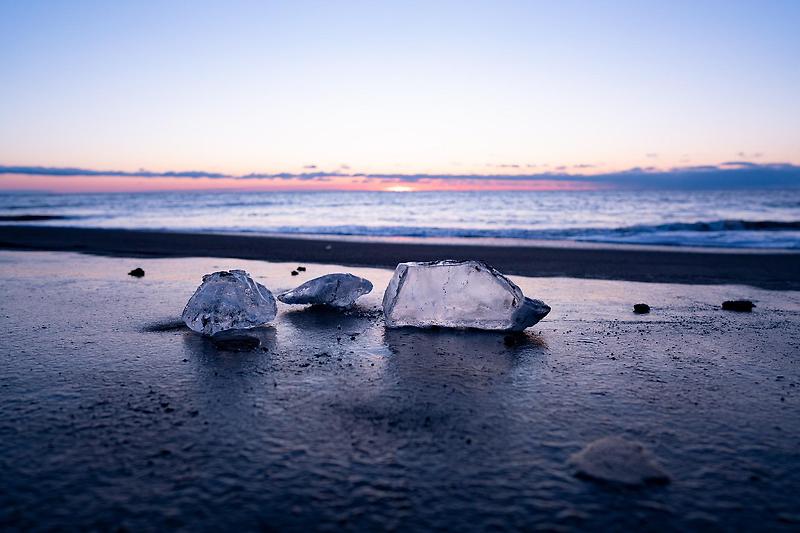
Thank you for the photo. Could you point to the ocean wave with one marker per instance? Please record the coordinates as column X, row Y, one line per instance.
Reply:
column 249, row 204
column 720, row 233
column 35, row 218
column 721, row 225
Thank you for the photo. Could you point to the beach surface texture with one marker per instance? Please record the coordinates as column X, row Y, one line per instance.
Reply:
column 114, row 415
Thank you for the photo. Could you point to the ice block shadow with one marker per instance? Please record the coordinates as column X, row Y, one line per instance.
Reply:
column 204, row 349
column 165, row 326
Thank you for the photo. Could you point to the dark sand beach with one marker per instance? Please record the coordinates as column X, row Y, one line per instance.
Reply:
column 766, row 269
column 613, row 187
column 114, row 415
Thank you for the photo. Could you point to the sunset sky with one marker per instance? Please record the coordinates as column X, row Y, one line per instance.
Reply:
column 100, row 96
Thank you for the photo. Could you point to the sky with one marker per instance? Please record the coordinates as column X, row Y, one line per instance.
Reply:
column 397, row 95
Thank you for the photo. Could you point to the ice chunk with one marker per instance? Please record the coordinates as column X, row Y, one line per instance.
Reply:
column 336, row 290
column 457, row 294
column 617, row 460
column 229, row 300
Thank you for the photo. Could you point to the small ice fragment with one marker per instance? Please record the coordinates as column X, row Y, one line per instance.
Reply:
column 335, row 290
column 457, row 294
column 617, row 460
column 229, row 300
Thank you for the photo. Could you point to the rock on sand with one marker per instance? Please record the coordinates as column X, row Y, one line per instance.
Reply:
column 620, row 461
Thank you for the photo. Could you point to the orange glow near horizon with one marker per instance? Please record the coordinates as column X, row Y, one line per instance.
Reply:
column 93, row 184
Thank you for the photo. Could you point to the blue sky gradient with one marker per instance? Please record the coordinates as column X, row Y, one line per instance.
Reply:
column 399, row 88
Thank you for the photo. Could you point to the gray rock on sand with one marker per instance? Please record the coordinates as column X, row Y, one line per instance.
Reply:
column 229, row 300
column 617, row 460
column 457, row 294
column 335, row 290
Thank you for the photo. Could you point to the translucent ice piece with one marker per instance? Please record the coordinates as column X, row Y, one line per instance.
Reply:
column 336, row 290
column 229, row 300
column 457, row 294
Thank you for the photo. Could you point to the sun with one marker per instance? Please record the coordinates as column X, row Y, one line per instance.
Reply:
column 399, row 188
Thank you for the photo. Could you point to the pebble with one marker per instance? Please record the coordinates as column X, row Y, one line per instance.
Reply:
column 742, row 306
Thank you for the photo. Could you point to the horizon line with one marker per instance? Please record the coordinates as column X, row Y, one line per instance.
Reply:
column 729, row 174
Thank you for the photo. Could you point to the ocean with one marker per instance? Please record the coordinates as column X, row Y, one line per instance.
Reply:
column 767, row 218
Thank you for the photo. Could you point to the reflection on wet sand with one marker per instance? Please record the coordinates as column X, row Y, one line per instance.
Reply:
column 208, row 351
column 460, row 358
column 441, row 408
column 322, row 319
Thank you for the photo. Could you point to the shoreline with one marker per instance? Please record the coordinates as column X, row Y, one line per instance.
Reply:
column 510, row 242
column 776, row 270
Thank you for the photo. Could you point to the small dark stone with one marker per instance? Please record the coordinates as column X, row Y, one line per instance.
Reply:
column 294, row 272
column 136, row 273
column 514, row 339
column 236, row 343
column 641, row 309
column 301, row 269
column 742, row 306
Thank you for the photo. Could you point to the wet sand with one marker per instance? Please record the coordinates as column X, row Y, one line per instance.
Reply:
column 112, row 414
column 766, row 269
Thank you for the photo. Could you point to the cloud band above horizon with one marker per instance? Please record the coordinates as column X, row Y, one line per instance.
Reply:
column 733, row 174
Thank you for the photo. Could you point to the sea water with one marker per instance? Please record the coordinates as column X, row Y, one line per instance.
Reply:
column 767, row 218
